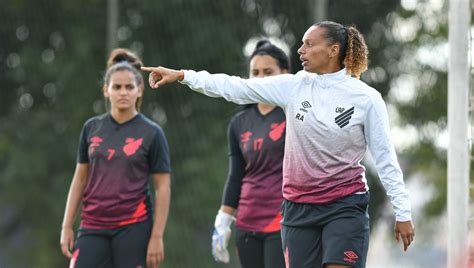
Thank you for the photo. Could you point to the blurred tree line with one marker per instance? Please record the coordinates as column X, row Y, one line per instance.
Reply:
column 52, row 58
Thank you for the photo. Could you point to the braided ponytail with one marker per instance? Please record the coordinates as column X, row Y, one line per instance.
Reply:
column 356, row 54
column 353, row 50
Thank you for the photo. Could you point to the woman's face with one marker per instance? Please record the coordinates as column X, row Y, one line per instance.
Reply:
column 264, row 65
column 122, row 90
column 315, row 52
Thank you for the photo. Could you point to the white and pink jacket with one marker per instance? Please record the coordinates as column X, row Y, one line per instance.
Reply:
column 331, row 120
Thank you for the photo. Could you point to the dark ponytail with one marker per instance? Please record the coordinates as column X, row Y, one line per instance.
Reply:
column 353, row 50
column 265, row 47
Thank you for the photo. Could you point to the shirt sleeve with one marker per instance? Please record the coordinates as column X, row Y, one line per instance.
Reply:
column 83, row 149
column 377, row 135
column 233, row 184
column 159, row 157
column 272, row 90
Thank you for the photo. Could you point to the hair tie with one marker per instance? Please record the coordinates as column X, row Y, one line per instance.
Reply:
column 120, row 58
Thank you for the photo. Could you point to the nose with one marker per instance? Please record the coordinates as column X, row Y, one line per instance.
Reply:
column 300, row 50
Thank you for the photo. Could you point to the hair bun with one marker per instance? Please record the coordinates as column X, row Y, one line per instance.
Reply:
column 265, row 47
column 262, row 42
column 121, row 54
column 119, row 58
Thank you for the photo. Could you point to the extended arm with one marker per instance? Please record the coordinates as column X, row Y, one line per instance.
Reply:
column 272, row 90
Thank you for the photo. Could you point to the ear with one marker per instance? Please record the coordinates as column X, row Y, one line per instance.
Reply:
column 140, row 90
column 334, row 50
column 104, row 91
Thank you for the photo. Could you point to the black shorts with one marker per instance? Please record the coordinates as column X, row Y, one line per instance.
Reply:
column 336, row 233
column 122, row 247
column 259, row 250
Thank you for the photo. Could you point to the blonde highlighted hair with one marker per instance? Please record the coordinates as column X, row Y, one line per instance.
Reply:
column 353, row 51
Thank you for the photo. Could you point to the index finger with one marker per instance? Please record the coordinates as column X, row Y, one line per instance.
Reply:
column 406, row 242
column 148, row 69
column 66, row 252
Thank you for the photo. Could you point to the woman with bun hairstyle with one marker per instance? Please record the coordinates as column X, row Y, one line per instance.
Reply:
column 256, row 140
column 332, row 117
column 118, row 153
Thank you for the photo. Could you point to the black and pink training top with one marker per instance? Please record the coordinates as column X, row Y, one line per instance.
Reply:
column 254, row 183
column 121, row 158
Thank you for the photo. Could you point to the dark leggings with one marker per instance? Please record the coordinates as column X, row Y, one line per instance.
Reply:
column 259, row 250
column 122, row 247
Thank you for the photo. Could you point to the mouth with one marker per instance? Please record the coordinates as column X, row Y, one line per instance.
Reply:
column 304, row 62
